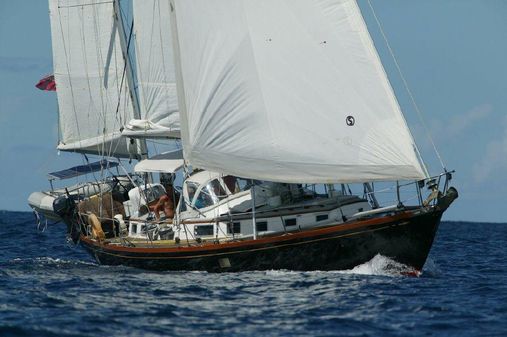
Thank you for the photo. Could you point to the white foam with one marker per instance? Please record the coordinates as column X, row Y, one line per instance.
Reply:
column 51, row 261
column 379, row 265
column 280, row 272
column 382, row 266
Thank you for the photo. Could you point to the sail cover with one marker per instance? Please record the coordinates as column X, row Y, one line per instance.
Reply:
column 155, row 72
column 287, row 90
column 93, row 97
column 167, row 162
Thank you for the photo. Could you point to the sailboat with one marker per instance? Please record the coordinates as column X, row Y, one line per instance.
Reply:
column 280, row 107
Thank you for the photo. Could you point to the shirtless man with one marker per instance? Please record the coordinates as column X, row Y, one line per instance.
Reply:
column 165, row 204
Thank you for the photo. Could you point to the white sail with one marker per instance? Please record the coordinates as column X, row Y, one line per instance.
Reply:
column 287, row 90
column 155, row 72
column 93, row 97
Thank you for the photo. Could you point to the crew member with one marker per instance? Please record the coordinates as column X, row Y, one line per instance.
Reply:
column 166, row 202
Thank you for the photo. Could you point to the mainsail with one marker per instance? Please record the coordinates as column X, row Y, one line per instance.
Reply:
column 289, row 91
column 155, row 72
column 93, row 96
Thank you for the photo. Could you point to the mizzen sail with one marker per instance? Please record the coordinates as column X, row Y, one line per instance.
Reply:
column 93, row 97
column 287, row 90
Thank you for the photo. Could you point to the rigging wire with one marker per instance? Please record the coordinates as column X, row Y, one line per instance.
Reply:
column 101, row 113
column 140, row 71
column 84, row 5
column 141, row 145
column 407, row 88
column 124, row 68
column 163, row 52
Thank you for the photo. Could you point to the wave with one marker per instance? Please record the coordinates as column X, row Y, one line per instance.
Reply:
column 50, row 261
column 382, row 266
column 379, row 265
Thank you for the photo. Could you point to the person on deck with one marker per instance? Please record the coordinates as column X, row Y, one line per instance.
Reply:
column 166, row 202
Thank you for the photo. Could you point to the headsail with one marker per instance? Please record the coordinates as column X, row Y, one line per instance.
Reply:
column 287, row 90
column 93, row 99
column 155, row 72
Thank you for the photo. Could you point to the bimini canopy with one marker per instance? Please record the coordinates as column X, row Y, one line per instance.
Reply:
column 167, row 162
column 77, row 171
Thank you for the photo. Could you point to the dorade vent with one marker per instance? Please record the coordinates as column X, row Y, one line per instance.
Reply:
column 204, row 230
column 321, row 217
column 262, row 226
column 290, row 222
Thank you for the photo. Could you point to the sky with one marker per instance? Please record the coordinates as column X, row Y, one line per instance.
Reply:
column 452, row 54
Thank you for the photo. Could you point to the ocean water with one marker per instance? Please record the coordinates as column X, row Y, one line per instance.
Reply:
column 48, row 288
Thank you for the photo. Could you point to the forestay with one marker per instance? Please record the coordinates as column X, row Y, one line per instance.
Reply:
column 155, row 72
column 287, row 90
column 93, row 100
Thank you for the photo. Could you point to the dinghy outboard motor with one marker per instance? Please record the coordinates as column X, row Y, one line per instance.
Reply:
column 65, row 207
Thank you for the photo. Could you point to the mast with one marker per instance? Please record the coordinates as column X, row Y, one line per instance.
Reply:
column 120, row 25
column 155, row 73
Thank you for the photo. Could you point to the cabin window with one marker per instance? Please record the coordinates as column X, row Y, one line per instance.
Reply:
column 236, row 185
column 203, row 230
column 203, row 199
column 322, row 217
column 134, row 229
column 232, row 184
column 216, row 189
column 290, row 222
column 234, row 228
column 262, row 226
column 191, row 189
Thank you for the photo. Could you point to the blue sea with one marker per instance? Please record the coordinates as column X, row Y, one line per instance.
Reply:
column 48, row 288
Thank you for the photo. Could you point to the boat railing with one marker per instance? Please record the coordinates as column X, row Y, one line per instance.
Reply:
column 436, row 185
column 433, row 183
